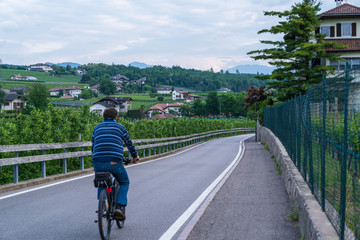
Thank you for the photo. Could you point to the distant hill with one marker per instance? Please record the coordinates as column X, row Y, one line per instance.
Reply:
column 253, row 69
column 140, row 65
column 64, row 64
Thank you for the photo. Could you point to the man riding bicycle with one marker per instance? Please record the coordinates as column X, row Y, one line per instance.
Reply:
column 107, row 155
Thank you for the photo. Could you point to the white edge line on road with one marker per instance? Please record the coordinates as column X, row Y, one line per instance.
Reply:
column 174, row 228
column 46, row 186
column 89, row 175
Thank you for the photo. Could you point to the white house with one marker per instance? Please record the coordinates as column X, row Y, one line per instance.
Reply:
column 121, row 104
column 41, row 67
column 163, row 90
column 164, row 108
column 342, row 25
column 72, row 91
column 13, row 102
column 179, row 95
column 80, row 72
column 19, row 77
column 223, row 90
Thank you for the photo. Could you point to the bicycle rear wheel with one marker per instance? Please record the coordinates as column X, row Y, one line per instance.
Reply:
column 104, row 215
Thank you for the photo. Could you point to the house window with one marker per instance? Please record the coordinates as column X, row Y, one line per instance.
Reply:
column 325, row 30
column 339, row 65
column 346, row 29
column 7, row 104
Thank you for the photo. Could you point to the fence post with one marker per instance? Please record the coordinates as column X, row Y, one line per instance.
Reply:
column 344, row 160
column 298, row 118
column 64, row 164
column 43, row 166
column 323, row 144
column 311, row 164
column 82, row 161
column 16, row 170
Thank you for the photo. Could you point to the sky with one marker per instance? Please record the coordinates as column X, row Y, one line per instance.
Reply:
column 198, row 34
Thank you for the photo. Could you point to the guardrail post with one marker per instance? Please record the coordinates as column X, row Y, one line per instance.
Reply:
column 43, row 166
column 16, row 170
column 144, row 153
column 64, row 164
column 149, row 152
column 82, row 160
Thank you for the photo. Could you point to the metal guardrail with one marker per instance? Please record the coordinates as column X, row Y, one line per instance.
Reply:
column 152, row 146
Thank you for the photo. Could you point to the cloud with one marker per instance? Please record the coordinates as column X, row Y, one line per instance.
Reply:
column 192, row 34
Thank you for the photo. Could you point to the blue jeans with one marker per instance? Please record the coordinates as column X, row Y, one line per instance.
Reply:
column 121, row 176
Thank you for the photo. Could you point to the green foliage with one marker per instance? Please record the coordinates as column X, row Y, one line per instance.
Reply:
column 107, row 87
column 294, row 215
column 212, row 103
column 175, row 76
column 297, row 55
column 38, row 96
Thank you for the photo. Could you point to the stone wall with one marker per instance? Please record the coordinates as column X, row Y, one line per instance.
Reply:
column 313, row 222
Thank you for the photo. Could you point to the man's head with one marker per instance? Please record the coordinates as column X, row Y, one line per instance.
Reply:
column 110, row 113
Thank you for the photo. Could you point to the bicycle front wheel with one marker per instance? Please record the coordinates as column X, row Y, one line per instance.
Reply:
column 104, row 215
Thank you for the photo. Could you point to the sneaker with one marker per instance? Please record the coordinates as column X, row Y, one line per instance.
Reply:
column 120, row 214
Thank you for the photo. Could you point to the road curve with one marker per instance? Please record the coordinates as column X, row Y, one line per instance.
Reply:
column 160, row 192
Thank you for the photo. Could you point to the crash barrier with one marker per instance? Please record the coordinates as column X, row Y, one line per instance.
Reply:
column 145, row 147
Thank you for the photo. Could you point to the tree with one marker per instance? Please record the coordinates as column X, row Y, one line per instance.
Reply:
column 258, row 98
column 185, row 110
column 198, row 107
column 38, row 96
column 68, row 68
column 86, row 94
column 2, row 96
column 297, row 56
column 212, row 103
column 107, row 87
column 85, row 78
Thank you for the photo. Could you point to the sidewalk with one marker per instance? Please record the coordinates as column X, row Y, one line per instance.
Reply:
column 251, row 205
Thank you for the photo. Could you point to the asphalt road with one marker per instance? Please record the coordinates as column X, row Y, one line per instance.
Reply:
column 160, row 192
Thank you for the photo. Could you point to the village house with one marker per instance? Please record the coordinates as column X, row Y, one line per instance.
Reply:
column 119, row 78
column 183, row 95
column 68, row 92
column 95, row 88
column 121, row 104
column 141, row 81
column 342, row 25
column 223, row 90
column 19, row 90
column 80, row 72
column 40, row 67
column 13, row 102
column 19, row 77
column 165, row 108
column 164, row 90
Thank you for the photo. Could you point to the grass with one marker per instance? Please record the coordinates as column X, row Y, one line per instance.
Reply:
column 294, row 215
column 41, row 76
column 139, row 100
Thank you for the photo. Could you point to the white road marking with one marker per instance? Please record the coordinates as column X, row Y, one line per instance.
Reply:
column 46, row 186
column 174, row 228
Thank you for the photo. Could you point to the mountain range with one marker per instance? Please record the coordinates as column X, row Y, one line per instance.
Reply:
column 64, row 64
column 252, row 69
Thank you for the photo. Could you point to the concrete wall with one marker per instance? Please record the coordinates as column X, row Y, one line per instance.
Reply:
column 313, row 222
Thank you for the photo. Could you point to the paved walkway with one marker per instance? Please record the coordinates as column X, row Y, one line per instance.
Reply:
column 251, row 205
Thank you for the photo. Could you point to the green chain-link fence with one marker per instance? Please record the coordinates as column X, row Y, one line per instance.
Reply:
column 321, row 132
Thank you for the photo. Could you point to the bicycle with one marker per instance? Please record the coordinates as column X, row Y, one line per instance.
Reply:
column 107, row 203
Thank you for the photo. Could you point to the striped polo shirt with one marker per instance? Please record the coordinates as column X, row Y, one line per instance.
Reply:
column 108, row 140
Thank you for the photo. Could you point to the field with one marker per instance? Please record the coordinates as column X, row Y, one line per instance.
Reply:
column 138, row 100
column 68, row 80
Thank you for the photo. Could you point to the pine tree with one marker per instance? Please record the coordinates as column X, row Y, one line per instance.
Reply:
column 298, row 55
